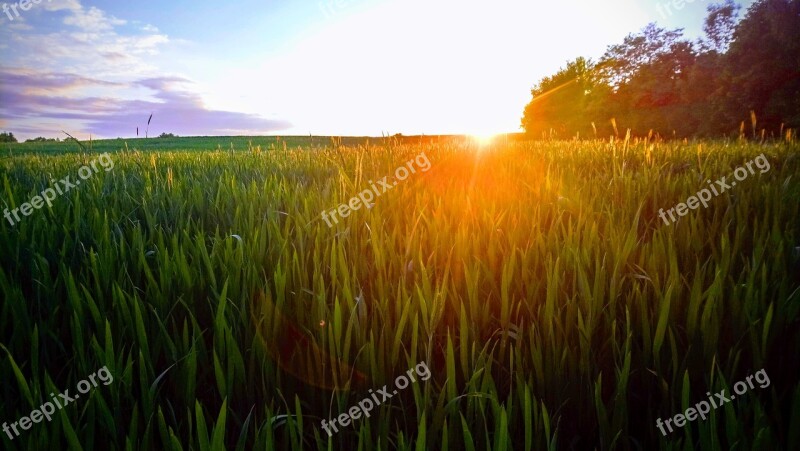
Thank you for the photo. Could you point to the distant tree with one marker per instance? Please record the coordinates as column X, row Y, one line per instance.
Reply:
column 167, row 135
column 559, row 103
column 7, row 137
column 41, row 139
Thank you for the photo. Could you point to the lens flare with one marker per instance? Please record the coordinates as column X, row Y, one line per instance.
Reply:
column 483, row 139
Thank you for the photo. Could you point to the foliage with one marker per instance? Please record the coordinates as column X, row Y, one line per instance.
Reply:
column 656, row 80
column 41, row 139
column 762, row 68
column 720, row 25
column 7, row 137
column 558, row 101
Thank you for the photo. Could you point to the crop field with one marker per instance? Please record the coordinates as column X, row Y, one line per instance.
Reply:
column 537, row 283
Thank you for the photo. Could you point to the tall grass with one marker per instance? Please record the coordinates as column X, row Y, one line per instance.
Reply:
column 553, row 306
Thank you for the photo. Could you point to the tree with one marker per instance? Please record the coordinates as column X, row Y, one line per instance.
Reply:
column 703, row 91
column 642, row 77
column 622, row 62
column 719, row 26
column 657, row 80
column 7, row 137
column 762, row 65
column 559, row 103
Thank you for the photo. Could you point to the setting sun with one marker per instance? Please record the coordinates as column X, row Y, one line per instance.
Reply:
column 484, row 139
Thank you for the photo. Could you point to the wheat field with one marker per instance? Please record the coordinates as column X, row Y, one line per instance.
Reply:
column 553, row 307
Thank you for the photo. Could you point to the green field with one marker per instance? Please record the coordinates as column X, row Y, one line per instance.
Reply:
column 554, row 308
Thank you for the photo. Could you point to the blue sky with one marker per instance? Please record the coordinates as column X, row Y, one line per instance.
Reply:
column 294, row 67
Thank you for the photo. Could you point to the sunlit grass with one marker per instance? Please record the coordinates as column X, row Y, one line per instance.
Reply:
column 554, row 308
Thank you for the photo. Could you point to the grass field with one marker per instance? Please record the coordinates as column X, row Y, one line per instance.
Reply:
column 554, row 308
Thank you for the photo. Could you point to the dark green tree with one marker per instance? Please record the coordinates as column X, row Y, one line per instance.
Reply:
column 719, row 26
column 645, row 73
column 763, row 66
column 7, row 137
column 703, row 91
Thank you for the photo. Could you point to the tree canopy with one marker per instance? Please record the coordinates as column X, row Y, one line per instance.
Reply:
column 658, row 80
column 7, row 137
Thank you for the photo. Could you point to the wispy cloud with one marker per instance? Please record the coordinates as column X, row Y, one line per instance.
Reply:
column 98, row 74
column 28, row 98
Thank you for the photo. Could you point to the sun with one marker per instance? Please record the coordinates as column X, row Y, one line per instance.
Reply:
column 483, row 139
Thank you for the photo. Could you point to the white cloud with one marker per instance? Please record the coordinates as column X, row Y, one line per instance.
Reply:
column 93, row 75
column 89, row 43
column 92, row 19
column 60, row 5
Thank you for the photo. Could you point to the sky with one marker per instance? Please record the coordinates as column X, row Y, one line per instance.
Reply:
column 297, row 67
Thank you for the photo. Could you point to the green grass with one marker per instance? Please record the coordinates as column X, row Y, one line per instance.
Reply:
column 553, row 306
column 204, row 143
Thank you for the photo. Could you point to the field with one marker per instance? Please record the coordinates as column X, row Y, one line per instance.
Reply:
column 552, row 305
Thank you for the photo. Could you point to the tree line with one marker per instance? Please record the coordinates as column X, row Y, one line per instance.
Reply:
column 741, row 77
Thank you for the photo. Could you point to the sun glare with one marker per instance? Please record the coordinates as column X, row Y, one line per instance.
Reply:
column 483, row 139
